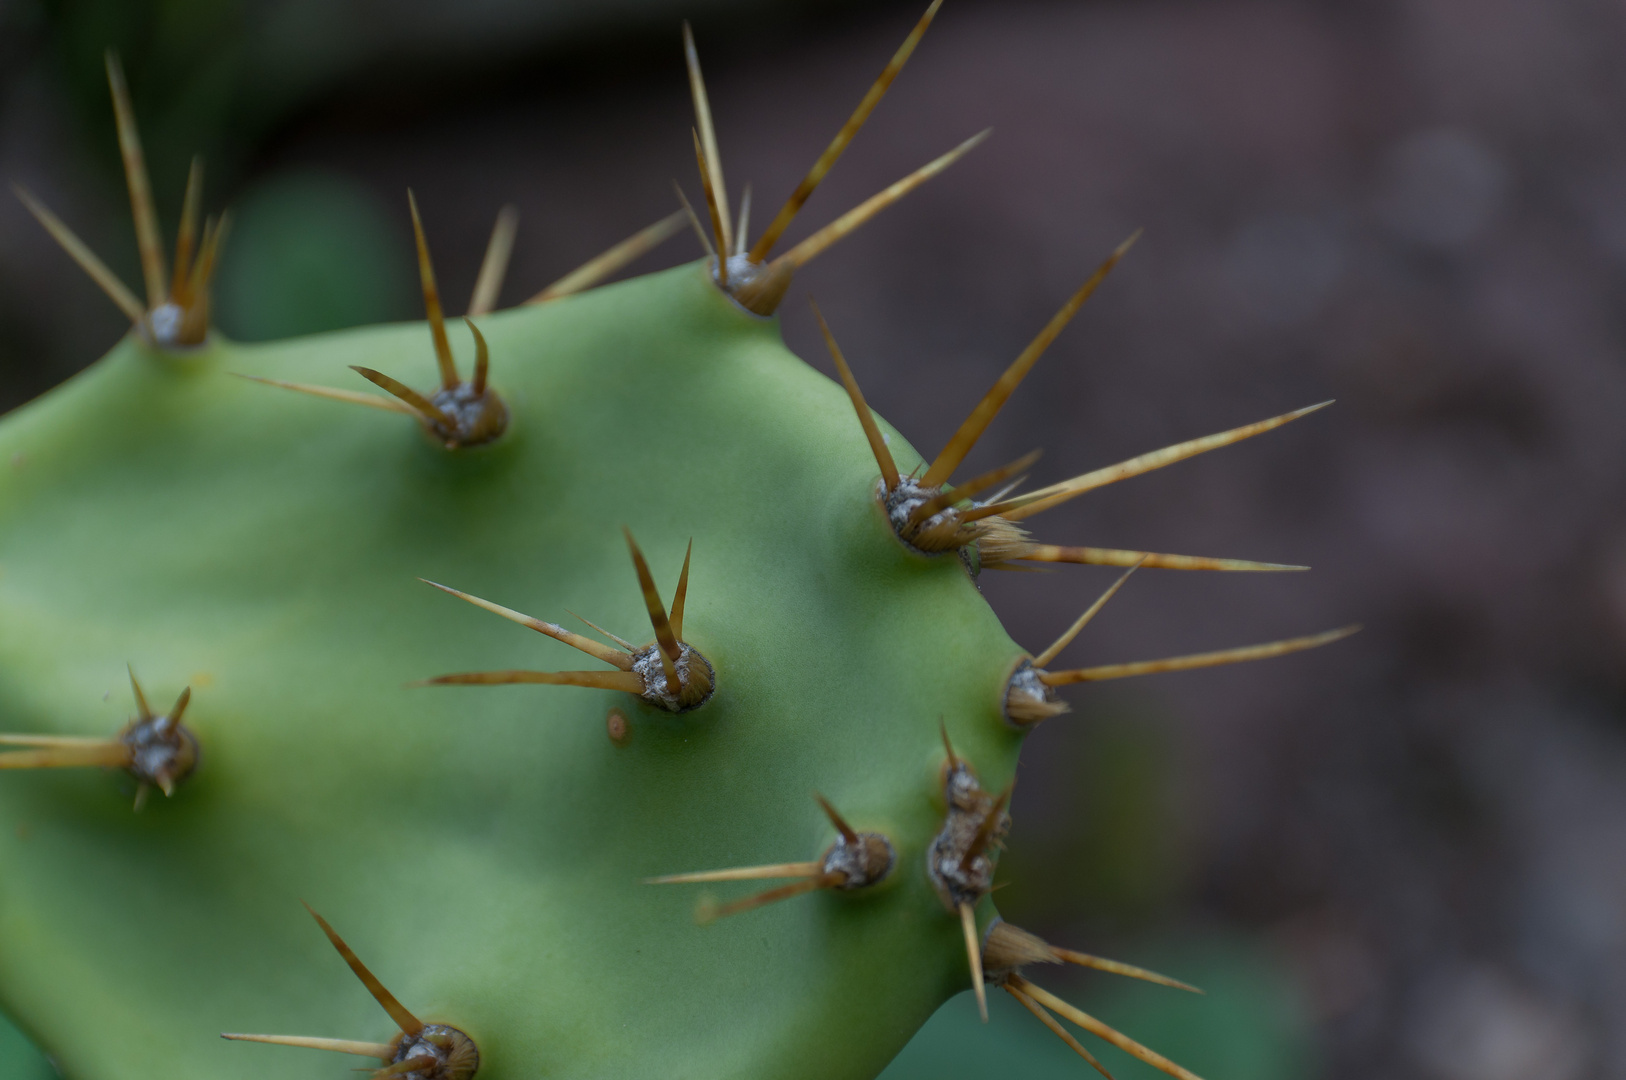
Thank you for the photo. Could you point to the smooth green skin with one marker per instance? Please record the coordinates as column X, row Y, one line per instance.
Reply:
column 479, row 847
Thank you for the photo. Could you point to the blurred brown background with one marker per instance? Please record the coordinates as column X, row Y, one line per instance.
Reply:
column 1402, row 856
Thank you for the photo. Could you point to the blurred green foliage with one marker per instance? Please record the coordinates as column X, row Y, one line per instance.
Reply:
column 193, row 88
column 1108, row 844
column 1248, row 1026
column 18, row 1058
column 219, row 77
column 312, row 251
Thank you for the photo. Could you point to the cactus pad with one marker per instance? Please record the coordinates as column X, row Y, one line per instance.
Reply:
column 527, row 853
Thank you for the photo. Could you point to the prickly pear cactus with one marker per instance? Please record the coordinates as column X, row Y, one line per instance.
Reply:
column 538, row 848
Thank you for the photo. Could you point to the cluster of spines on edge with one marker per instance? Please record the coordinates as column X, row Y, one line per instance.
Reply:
column 929, row 516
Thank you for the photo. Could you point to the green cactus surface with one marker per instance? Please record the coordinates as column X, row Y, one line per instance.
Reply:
column 483, row 847
column 759, row 846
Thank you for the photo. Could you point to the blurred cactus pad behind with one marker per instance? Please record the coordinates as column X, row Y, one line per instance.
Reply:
column 758, row 836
